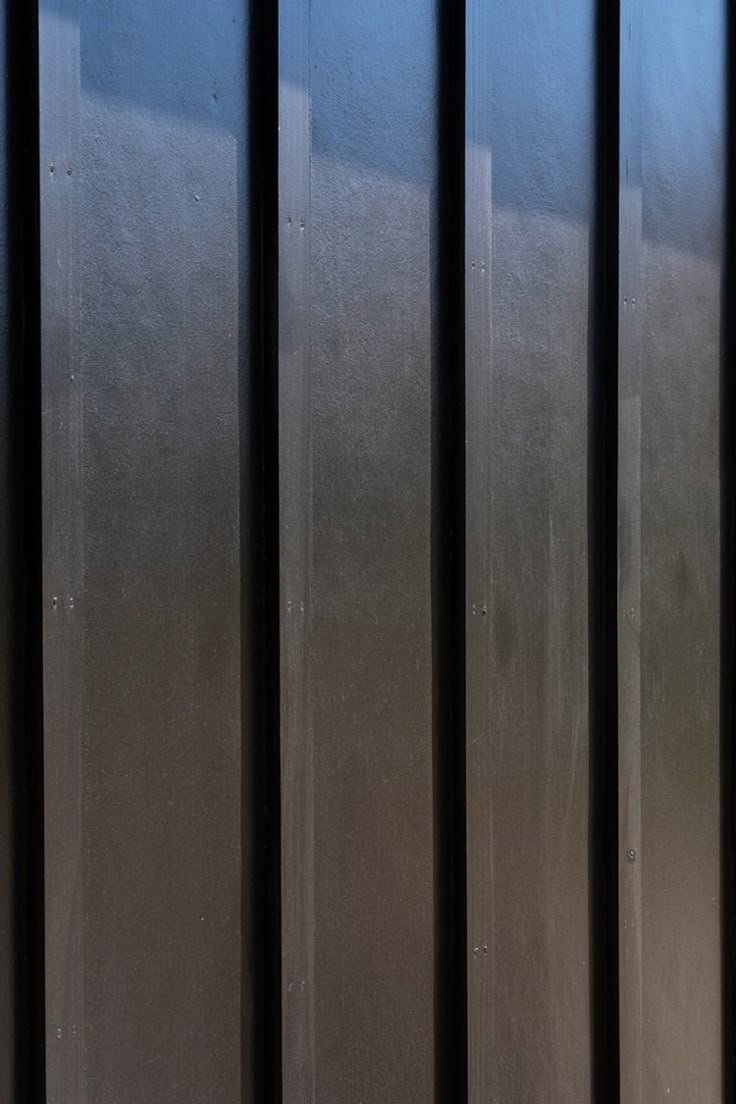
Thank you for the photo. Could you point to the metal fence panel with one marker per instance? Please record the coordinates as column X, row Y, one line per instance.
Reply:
column 673, row 217
column 367, row 552
column 529, row 238
column 144, row 225
column 358, row 141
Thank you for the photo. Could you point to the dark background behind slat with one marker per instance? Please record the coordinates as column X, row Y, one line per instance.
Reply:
column 6, row 582
column 21, row 821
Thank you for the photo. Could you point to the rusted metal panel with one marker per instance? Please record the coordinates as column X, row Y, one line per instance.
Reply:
column 355, row 376
column 530, row 150
column 144, row 208
column 672, row 228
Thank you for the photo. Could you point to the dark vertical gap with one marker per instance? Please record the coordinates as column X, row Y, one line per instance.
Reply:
column 603, row 574
column 261, row 531
column 25, row 449
column 728, row 579
column 448, row 564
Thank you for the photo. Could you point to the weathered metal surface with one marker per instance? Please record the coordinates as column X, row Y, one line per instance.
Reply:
column 62, row 552
column 356, row 355
column 172, row 654
column 672, row 226
column 295, row 555
column 629, row 536
column 529, row 214
column 144, row 232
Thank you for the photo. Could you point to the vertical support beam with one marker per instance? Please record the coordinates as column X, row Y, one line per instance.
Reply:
column 672, row 233
column 63, row 568
column 63, row 571
column 295, row 506
column 478, row 457
column 629, row 555
column 530, row 153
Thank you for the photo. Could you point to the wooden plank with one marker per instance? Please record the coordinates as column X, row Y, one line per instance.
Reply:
column 145, row 301
column 669, row 551
column 530, row 146
column 356, row 294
